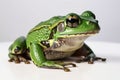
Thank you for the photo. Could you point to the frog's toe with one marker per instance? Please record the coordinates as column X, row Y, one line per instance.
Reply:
column 103, row 59
column 99, row 58
column 17, row 61
column 10, row 60
column 27, row 62
column 23, row 59
column 67, row 64
column 91, row 61
column 58, row 65
column 66, row 69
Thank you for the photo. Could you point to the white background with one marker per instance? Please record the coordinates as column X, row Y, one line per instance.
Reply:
column 17, row 17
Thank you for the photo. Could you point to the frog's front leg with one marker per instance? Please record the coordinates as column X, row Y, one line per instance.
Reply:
column 39, row 59
column 86, row 54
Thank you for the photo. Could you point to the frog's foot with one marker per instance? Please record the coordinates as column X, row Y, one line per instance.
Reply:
column 22, row 59
column 100, row 58
column 90, row 59
column 15, row 59
column 57, row 65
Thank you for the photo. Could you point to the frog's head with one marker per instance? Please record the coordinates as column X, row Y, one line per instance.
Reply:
column 78, row 25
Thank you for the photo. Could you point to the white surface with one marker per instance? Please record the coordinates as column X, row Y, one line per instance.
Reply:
column 19, row 16
column 109, row 70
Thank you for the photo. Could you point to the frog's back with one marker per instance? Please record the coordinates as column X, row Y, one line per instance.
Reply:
column 43, row 29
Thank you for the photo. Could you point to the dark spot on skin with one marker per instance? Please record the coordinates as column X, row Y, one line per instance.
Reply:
column 17, row 49
column 45, row 43
column 30, row 43
column 52, row 33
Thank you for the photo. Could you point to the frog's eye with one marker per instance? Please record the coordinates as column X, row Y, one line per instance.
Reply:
column 17, row 49
column 60, row 27
column 73, row 21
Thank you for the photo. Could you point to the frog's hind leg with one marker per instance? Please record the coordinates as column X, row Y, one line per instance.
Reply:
column 86, row 54
column 18, row 51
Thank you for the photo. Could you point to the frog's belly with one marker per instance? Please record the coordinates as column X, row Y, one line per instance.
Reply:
column 52, row 55
column 62, row 52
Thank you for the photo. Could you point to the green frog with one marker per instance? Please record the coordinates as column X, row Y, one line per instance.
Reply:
column 58, row 38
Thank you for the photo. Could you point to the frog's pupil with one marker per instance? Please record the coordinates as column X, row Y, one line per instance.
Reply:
column 72, row 22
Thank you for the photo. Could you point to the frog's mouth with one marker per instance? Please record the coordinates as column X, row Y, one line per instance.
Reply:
column 86, row 34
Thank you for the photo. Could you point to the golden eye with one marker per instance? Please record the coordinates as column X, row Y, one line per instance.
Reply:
column 73, row 20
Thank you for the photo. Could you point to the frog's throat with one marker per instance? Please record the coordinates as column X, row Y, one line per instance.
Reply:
column 72, row 42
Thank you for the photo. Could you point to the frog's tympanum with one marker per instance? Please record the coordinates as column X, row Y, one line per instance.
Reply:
column 55, row 39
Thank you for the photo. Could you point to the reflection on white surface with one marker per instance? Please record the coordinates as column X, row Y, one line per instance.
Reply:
column 108, row 70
